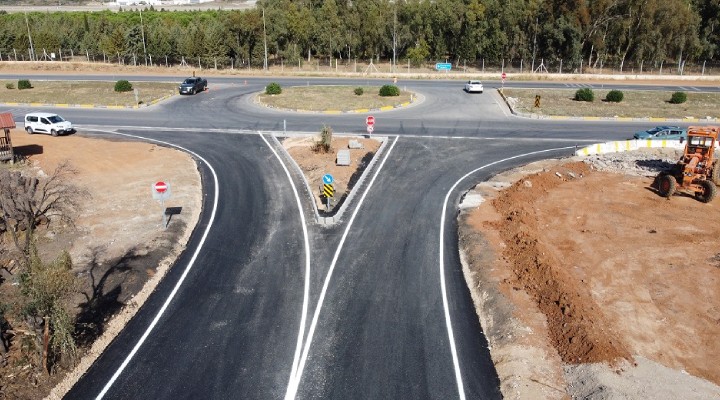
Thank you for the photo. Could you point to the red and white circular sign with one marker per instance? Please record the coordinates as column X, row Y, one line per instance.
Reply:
column 370, row 120
column 503, row 76
column 160, row 187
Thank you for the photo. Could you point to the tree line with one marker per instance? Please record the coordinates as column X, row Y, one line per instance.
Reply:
column 578, row 32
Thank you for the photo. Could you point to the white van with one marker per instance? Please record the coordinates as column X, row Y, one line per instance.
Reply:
column 40, row 122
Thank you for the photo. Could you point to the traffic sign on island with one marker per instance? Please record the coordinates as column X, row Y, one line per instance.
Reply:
column 370, row 120
column 503, row 76
column 370, row 129
column 328, row 179
column 161, row 190
column 160, row 187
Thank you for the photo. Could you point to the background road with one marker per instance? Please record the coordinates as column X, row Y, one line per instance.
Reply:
column 381, row 330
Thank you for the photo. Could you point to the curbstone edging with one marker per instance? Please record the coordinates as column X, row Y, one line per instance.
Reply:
column 619, row 146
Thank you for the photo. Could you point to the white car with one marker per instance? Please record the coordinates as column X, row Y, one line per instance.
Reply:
column 40, row 122
column 474, row 87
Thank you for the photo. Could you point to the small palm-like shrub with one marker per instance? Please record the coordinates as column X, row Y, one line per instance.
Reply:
column 123, row 86
column 358, row 91
column 584, row 94
column 325, row 143
column 273, row 88
column 614, row 96
column 678, row 98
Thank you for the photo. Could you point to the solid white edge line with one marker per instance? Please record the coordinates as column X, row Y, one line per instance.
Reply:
column 446, row 307
column 184, row 274
column 292, row 390
column 306, row 292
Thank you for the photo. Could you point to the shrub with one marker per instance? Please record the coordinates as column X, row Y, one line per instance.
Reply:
column 678, row 98
column 273, row 88
column 389, row 90
column 358, row 91
column 584, row 94
column 614, row 96
column 325, row 143
column 123, row 86
column 9, row 85
column 24, row 84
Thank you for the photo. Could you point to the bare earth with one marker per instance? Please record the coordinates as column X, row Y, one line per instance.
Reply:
column 119, row 248
column 590, row 284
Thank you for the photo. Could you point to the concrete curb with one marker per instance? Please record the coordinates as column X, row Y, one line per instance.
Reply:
column 629, row 145
column 337, row 216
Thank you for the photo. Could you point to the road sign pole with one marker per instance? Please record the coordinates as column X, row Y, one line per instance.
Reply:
column 164, row 214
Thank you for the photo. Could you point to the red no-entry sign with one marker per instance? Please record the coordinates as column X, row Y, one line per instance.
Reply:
column 370, row 120
column 160, row 187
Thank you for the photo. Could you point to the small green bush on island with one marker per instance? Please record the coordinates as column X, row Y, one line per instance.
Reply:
column 614, row 96
column 359, row 91
column 389, row 90
column 678, row 98
column 273, row 88
column 123, row 86
column 585, row 94
column 24, row 84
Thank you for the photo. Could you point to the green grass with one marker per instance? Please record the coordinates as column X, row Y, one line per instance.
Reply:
column 331, row 98
column 84, row 92
column 635, row 104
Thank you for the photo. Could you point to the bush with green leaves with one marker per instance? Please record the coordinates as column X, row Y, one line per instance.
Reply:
column 614, row 96
column 584, row 94
column 359, row 91
column 10, row 85
column 123, row 86
column 678, row 98
column 389, row 90
column 24, row 84
column 273, row 88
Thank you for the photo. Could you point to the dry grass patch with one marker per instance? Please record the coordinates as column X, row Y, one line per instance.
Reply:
column 84, row 92
column 636, row 104
column 331, row 98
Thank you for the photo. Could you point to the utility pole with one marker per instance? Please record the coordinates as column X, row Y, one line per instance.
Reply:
column 265, row 63
column 142, row 31
column 32, row 49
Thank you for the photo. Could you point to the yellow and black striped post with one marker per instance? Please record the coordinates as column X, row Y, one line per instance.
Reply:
column 328, row 190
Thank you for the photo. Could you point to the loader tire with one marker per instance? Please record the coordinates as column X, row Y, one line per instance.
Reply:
column 666, row 185
column 708, row 193
column 716, row 173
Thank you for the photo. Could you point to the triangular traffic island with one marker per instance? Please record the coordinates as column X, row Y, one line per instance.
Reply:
column 347, row 174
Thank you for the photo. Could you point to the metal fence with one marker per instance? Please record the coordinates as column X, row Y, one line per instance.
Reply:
column 366, row 66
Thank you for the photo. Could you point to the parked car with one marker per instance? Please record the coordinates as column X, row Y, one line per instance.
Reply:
column 663, row 133
column 193, row 85
column 41, row 122
column 474, row 87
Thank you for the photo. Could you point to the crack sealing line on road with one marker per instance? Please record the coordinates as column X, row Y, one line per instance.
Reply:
column 306, row 291
column 295, row 383
column 443, row 289
column 185, row 272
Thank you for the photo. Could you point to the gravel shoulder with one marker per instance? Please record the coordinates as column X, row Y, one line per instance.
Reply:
column 590, row 284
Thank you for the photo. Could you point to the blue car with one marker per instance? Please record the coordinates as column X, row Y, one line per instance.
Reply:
column 663, row 133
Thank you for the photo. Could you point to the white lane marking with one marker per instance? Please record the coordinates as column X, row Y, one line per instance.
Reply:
column 184, row 274
column 306, row 292
column 446, row 307
column 295, row 383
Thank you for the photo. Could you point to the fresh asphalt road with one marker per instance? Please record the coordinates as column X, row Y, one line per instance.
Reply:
column 374, row 321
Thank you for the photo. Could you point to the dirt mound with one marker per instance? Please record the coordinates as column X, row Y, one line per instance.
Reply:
column 576, row 325
column 570, row 264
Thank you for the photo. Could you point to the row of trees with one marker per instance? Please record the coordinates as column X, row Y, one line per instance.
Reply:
column 576, row 31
